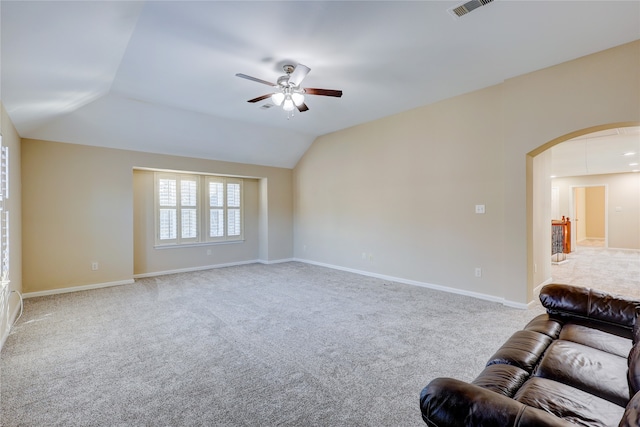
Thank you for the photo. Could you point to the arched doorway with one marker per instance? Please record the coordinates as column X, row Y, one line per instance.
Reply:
column 540, row 193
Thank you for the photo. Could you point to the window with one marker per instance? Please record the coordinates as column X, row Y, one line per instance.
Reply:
column 224, row 208
column 4, row 212
column 179, row 209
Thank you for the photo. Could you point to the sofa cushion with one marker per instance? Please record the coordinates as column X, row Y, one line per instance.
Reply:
column 596, row 338
column 589, row 304
column 633, row 362
column 523, row 349
column 636, row 327
column 544, row 325
column 631, row 417
column 503, row 379
column 569, row 403
column 590, row 370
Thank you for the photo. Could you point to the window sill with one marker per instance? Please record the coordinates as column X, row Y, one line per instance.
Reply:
column 194, row 245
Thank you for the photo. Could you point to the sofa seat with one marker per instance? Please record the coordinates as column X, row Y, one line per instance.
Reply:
column 578, row 364
column 569, row 403
column 591, row 370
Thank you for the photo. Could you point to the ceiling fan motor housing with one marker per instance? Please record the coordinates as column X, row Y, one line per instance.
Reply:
column 283, row 81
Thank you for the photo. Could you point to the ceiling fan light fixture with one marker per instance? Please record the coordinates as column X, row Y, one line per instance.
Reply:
column 288, row 103
column 277, row 98
column 297, row 98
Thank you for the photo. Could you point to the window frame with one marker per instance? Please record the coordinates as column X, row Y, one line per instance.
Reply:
column 4, row 214
column 226, row 181
column 202, row 208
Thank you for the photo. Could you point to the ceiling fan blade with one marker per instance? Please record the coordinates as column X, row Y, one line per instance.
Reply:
column 260, row 98
column 255, row 79
column 302, row 107
column 299, row 73
column 323, row 92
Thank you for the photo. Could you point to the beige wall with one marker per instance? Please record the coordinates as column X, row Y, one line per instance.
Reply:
column 11, row 139
column 542, row 219
column 622, row 208
column 403, row 188
column 79, row 201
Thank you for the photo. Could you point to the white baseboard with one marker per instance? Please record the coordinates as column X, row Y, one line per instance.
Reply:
column 276, row 261
column 77, row 288
column 478, row 295
column 190, row 269
column 433, row 286
column 623, row 249
column 143, row 275
column 209, row 267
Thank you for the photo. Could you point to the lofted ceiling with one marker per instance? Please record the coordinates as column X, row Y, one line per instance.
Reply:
column 159, row 76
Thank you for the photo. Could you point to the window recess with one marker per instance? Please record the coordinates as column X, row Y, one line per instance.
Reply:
column 192, row 209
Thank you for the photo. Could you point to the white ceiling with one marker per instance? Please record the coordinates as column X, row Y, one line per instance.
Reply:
column 608, row 151
column 159, row 76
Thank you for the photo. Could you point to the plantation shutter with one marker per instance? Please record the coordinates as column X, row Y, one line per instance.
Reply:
column 189, row 208
column 194, row 209
column 168, row 212
column 4, row 213
column 234, row 228
column 224, row 209
column 216, row 208
column 177, row 201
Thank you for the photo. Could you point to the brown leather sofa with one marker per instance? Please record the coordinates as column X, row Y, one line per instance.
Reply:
column 578, row 364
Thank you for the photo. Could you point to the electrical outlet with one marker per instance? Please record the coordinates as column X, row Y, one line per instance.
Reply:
column 94, row 266
column 478, row 272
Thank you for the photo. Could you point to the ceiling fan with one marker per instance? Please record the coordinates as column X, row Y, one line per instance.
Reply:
column 288, row 93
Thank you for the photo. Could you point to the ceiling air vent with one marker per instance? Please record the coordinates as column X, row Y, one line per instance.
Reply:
column 470, row 6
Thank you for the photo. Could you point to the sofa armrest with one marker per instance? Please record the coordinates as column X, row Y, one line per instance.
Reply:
column 450, row 402
column 591, row 304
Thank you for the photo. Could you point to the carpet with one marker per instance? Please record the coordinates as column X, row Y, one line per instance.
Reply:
column 612, row 270
column 286, row 344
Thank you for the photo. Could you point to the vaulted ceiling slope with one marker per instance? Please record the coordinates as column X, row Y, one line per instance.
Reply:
column 159, row 76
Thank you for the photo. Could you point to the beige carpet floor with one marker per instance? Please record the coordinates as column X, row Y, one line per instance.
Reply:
column 287, row 344
column 257, row 345
column 612, row 270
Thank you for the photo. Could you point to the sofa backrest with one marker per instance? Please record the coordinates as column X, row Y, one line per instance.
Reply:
column 586, row 303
